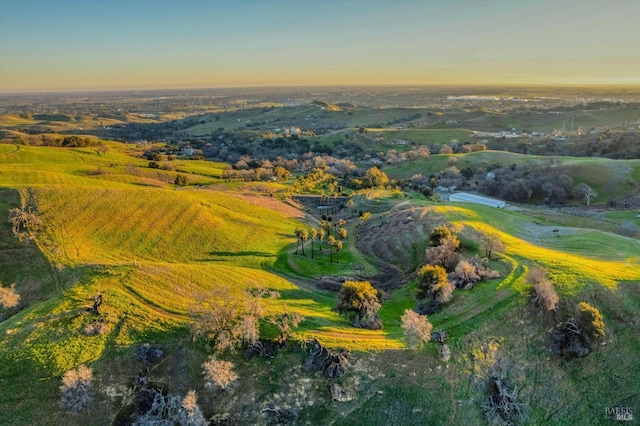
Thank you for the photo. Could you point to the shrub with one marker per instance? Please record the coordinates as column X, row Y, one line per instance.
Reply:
column 76, row 389
column 444, row 352
column 438, row 235
column 545, row 294
column 591, row 321
column 578, row 337
column 181, row 180
column 8, row 296
column 148, row 354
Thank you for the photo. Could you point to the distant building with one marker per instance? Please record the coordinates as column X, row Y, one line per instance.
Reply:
column 464, row 197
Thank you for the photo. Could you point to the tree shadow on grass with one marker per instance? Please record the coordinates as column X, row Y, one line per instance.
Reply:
column 241, row 253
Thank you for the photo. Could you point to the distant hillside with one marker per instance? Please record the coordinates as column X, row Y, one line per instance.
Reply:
column 327, row 106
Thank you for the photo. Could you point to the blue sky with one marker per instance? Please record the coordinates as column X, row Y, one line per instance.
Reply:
column 48, row 45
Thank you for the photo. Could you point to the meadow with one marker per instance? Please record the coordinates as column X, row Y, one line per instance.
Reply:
column 152, row 248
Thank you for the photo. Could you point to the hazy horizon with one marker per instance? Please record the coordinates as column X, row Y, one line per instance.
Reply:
column 84, row 46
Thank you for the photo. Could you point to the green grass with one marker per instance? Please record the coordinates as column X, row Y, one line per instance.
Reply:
column 428, row 136
column 610, row 178
column 151, row 249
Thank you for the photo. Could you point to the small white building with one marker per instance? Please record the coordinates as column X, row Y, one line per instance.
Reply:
column 464, row 197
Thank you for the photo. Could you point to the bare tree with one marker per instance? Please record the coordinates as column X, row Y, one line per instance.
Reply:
column 285, row 322
column 8, row 296
column 24, row 222
column 219, row 374
column 216, row 317
column 76, row 389
column 492, row 243
column 584, row 190
column 170, row 410
column 417, row 328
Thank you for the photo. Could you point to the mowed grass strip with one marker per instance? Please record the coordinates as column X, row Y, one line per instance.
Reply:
column 111, row 225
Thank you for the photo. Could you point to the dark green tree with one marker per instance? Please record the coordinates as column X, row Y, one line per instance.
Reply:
column 359, row 301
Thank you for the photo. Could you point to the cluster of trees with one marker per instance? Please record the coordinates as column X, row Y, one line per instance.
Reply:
column 317, row 179
column 604, row 143
column 541, row 181
column 335, row 234
column 445, row 269
column 545, row 181
column 226, row 320
column 372, row 178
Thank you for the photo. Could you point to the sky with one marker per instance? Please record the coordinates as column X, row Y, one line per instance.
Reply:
column 74, row 45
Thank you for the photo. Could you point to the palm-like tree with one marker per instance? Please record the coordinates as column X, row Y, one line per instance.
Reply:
column 332, row 242
column 304, row 236
column 313, row 232
column 298, row 232
column 338, row 247
column 321, row 235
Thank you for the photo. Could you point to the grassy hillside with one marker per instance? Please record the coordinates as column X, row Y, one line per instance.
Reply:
column 610, row 178
column 112, row 226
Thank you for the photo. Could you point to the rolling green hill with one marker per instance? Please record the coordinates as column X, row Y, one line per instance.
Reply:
column 610, row 178
column 115, row 227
